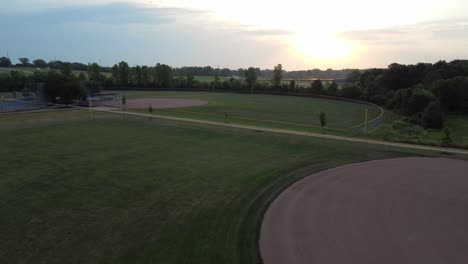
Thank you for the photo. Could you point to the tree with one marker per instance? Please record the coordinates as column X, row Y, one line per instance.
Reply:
column 124, row 73
column 453, row 93
column 447, row 139
column 323, row 120
column 40, row 63
column 190, row 78
column 292, row 85
column 332, row 89
column 419, row 100
column 316, row 87
column 433, row 116
column 351, row 91
column 63, row 87
column 216, row 80
column 138, row 75
column 94, row 72
column 250, row 77
column 145, row 79
column 5, row 62
column 354, row 77
column 163, row 75
column 24, row 61
column 66, row 69
column 277, row 75
column 82, row 76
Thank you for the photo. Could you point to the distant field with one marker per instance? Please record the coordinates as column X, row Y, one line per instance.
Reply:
column 130, row 190
column 30, row 71
column 210, row 79
column 287, row 111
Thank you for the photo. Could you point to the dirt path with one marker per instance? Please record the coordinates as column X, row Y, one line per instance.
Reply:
column 411, row 210
column 291, row 132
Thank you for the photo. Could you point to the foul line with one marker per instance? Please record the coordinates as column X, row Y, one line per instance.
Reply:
column 291, row 132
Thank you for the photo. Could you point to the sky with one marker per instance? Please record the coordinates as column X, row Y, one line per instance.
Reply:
column 236, row 34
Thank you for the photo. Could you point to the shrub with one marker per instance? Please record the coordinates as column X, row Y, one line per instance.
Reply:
column 433, row 116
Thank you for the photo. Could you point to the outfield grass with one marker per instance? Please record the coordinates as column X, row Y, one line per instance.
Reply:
column 302, row 112
column 124, row 190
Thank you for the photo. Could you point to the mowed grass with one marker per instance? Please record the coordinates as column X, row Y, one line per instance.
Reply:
column 123, row 190
column 300, row 112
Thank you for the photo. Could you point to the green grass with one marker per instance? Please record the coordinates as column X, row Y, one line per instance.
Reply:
column 123, row 190
column 415, row 134
column 304, row 112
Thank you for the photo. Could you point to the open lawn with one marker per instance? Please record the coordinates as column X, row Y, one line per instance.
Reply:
column 299, row 113
column 128, row 190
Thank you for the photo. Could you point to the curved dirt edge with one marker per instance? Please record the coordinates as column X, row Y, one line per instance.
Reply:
column 292, row 242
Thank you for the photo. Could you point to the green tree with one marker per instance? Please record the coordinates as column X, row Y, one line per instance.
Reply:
column 277, row 75
column 124, row 73
column 332, row 89
column 216, row 79
column 419, row 100
column 351, row 91
column 138, row 75
column 94, row 72
column 190, row 78
column 433, row 116
column 82, row 76
column 115, row 73
column 5, row 62
column 292, row 85
column 40, row 63
column 354, row 77
column 145, row 76
column 250, row 77
column 24, row 61
column 316, row 87
column 66, row 69
column 163, row 75
column 323, row 120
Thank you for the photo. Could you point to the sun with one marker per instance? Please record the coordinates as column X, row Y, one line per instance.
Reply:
column 321, row 46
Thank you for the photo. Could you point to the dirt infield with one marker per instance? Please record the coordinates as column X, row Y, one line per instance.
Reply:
column 160, row 103
column 412, row 210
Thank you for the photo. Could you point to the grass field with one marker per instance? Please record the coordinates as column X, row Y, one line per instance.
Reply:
column 298, row 113
column 124, row 190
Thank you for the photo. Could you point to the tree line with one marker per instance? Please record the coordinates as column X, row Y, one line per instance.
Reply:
column 423, row 92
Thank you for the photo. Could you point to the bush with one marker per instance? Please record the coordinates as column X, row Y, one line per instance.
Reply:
column 433, row 116
column 351, row 91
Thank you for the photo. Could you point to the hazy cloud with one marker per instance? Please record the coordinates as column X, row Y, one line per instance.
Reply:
column 116, row 14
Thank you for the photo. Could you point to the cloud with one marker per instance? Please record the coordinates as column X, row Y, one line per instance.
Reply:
column 113, row 14
column 422, row 42
column 440, row 30
column 264, row 32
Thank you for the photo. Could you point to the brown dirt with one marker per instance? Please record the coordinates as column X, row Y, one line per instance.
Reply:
column 159, row 103
column 412, row 210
